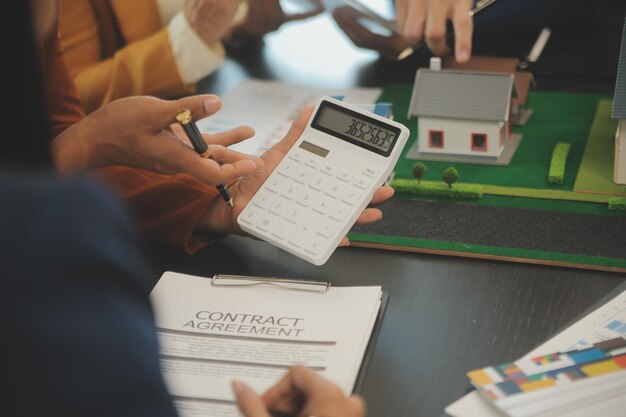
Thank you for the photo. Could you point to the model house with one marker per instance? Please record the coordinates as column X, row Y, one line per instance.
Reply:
column 520, row 111
column 463, row 116
column 619, row 113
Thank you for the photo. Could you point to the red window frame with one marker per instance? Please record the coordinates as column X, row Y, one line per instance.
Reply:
column 430, row 139
column 502, row 135
column 480, row 149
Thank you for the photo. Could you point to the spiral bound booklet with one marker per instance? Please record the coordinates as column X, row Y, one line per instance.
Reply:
column 212, row 331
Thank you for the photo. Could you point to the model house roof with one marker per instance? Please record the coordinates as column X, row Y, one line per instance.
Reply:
column 462, row 95
column 619, row 99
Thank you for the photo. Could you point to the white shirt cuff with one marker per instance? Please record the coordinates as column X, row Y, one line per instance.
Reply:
column 194, row 59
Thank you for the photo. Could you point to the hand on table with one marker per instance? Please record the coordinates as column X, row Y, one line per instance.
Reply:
column 301, row 392
column 265, row 16
column 222, row 219
column 426, row 20
column 388, row 46
column 138, row 132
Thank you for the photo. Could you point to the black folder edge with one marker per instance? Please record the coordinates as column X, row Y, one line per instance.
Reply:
column 371, row 344
column 602, row 301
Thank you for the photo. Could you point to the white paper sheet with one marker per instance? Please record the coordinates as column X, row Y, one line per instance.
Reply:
column 270, row 107
column 606, row 322
column 210, row 335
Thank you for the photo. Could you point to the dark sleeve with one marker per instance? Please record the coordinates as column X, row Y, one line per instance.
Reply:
column 78, row 331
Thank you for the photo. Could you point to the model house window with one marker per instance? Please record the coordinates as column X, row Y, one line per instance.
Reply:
column 435, row 138
column 479, row 142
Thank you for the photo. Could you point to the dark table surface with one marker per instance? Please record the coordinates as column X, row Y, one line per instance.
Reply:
column 446, row 315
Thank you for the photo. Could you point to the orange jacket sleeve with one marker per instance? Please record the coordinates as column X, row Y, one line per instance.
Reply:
column 64, row 106
column 145, row 65
column 167, row 207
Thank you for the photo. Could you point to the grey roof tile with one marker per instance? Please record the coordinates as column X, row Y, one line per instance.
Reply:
column 619, row 99
column 462, row 95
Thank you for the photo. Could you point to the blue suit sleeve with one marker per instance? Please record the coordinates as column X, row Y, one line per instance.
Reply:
column 77, row 324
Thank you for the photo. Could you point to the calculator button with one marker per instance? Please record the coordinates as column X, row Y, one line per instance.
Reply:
column 351, row 196
column 305, row 198
column 293, row 214
column 339, row 212
column 334, row 189
column 278, row 207
column 296, row 156
column 315, row 245
column 322, row 205
column 286, row 168
column 370, row 172
column 262, row 200
column 362, row 183
column 311, row 162
column 249, row 216
column 300, row 233
column 345, row 176
column 329, row 169
column 317, row 182
column 289, row 190
column 265, row 222
column 282, row 229
column 327, row 229
column 302, row 174
column 274, row 184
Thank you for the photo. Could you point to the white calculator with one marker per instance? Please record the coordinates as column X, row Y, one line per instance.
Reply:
column 326, row 180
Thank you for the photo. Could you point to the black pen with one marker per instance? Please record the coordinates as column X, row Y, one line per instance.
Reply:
column 200, row 146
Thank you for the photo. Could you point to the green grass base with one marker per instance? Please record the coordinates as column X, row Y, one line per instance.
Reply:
column 537, row 255
column 463, row 191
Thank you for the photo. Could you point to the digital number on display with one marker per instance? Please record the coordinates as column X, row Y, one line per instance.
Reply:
column 360, row 130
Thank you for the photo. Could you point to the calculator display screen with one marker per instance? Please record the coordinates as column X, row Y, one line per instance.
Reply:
column 356, row 128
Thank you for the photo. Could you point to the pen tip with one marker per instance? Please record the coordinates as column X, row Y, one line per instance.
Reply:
column 230, row 202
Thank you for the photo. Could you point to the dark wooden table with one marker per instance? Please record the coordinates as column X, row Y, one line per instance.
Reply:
column 445, row 315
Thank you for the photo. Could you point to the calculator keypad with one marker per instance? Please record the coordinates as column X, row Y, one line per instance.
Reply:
column 305, row 203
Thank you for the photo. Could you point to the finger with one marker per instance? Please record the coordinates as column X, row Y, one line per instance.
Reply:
column 463, row 28
column 388, row 46
column 229, row 137
column 415, row 20
column 296, row 129
column 436, row 28
column 381, row 195
column 201, row 106
column 401, row 13
column 204, row 169
column 283, row 396
column 344, row 242
column 248, row 401
column 307, row 380
column 223, row 155
column 369, row 215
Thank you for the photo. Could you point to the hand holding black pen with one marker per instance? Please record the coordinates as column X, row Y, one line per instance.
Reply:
column 199, row 145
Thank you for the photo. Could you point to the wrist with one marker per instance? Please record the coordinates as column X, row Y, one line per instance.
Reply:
column 71, row 152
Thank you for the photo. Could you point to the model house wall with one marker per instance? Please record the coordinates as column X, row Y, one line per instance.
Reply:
column 459, row 136
column 620, row 153
column 619, row 113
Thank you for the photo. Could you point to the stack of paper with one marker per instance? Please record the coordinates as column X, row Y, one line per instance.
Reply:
column 540, row 384
column 213, row 331
column 558, row 383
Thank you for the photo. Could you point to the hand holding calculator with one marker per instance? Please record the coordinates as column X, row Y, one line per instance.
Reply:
column 328, row 177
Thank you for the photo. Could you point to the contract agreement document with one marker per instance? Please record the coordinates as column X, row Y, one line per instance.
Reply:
column 212, row 332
